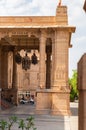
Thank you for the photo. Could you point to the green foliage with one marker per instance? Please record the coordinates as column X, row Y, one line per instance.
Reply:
column 3, row 124
column 12, row 120
column 30, row 123
column 22, row 124
column 73, row 85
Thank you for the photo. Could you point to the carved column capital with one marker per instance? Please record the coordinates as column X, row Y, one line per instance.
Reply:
column 43, row 34
column 1, row 35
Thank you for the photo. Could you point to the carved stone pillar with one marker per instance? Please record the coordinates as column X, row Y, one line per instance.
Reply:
column 42, row 68
column 14, row 84
column 4, row 69
column 53, row 60
column 48, row 68
column 60, row 60
column 60, row 89
column 0, row 79
column 43, row 103
column 4, row 72
column 15, row 80
column 0, row 67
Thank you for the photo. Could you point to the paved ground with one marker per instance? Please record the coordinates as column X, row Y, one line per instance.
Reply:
column 45, row 122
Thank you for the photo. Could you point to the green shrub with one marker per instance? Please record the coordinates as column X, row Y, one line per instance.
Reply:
column 73, row 85
column 3, row 124
column 22, row 124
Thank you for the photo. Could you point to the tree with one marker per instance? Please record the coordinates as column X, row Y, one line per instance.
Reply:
column 73, row 85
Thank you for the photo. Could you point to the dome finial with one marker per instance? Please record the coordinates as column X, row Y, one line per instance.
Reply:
column 60, row 1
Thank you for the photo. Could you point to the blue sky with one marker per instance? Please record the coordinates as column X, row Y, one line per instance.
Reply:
column 76, row 16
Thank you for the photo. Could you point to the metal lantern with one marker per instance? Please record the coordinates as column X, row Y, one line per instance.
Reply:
column 18, row 58
column 34, row 59
column 26, row 62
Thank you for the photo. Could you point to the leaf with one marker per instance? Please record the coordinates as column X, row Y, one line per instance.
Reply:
column 22, row 124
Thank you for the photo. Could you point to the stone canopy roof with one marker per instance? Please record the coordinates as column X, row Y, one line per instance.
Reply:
column 60, row 19
column 9, row 25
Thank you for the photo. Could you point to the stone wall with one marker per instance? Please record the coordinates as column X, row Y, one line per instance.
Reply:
column 82, row 92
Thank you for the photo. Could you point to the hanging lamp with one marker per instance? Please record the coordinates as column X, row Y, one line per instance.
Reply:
column 26, row 62
column 34, row 59
column 18, row 58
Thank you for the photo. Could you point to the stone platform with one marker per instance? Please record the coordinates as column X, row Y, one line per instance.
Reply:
column 54, row 102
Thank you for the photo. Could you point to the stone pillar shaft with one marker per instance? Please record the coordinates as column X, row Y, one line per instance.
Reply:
column 0, row 67
column 4, row 69
column 42, row 60
column 60, row 90
column 14, row 81
column 0, row 79
column 53, row 61
column 48, row 69
column 60, row 59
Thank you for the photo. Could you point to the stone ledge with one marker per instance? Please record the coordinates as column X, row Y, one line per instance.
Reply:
column 51, row 91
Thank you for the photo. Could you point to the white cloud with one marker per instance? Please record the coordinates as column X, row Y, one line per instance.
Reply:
column 27, row 7
column 76, row 15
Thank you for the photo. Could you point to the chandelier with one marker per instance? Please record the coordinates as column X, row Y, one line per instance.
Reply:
column 34, row 59
column 26, row 61
column 18, row 58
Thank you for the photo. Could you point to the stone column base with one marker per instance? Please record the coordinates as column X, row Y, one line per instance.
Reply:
column 43, row 104
column 53, row 102
column 12, row 93
column 15, row 97
column 60, row 103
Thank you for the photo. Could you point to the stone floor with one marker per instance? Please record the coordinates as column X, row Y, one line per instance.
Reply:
column 45, row 122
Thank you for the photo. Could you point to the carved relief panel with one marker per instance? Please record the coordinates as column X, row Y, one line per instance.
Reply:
column 60, row 73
